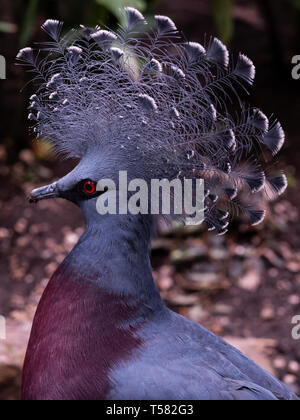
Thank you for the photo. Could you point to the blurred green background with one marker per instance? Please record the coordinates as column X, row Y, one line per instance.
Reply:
column 245, row 286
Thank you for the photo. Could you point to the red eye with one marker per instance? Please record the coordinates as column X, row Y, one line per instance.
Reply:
column 89, row 187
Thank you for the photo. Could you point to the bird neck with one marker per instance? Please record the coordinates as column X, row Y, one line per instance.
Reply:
column 114, row 253
column 88, row 319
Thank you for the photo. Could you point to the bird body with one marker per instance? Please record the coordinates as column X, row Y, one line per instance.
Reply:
column 155, row 106
column 104, row 333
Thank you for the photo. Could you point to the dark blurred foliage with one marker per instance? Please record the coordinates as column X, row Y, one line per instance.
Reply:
column 223, row 14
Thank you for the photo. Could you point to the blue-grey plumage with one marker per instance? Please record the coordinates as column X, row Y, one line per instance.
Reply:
column 157, row 95
column 153, row 105
column 171, row 357
column 183, row 361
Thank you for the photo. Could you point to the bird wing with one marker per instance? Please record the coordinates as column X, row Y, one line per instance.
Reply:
column 179, row 379
column 180, row 360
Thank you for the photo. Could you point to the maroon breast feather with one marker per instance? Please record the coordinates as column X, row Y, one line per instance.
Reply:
column 80, row 333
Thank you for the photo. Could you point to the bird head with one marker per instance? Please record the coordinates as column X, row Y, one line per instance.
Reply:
column 145, row 101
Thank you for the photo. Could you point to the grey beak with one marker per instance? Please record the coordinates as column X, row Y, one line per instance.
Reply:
column 44, row 193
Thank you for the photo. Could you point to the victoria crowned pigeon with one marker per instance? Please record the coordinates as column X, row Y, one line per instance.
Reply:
column 144, row 101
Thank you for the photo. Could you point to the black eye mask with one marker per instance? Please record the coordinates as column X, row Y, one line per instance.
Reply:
column 83, row 191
